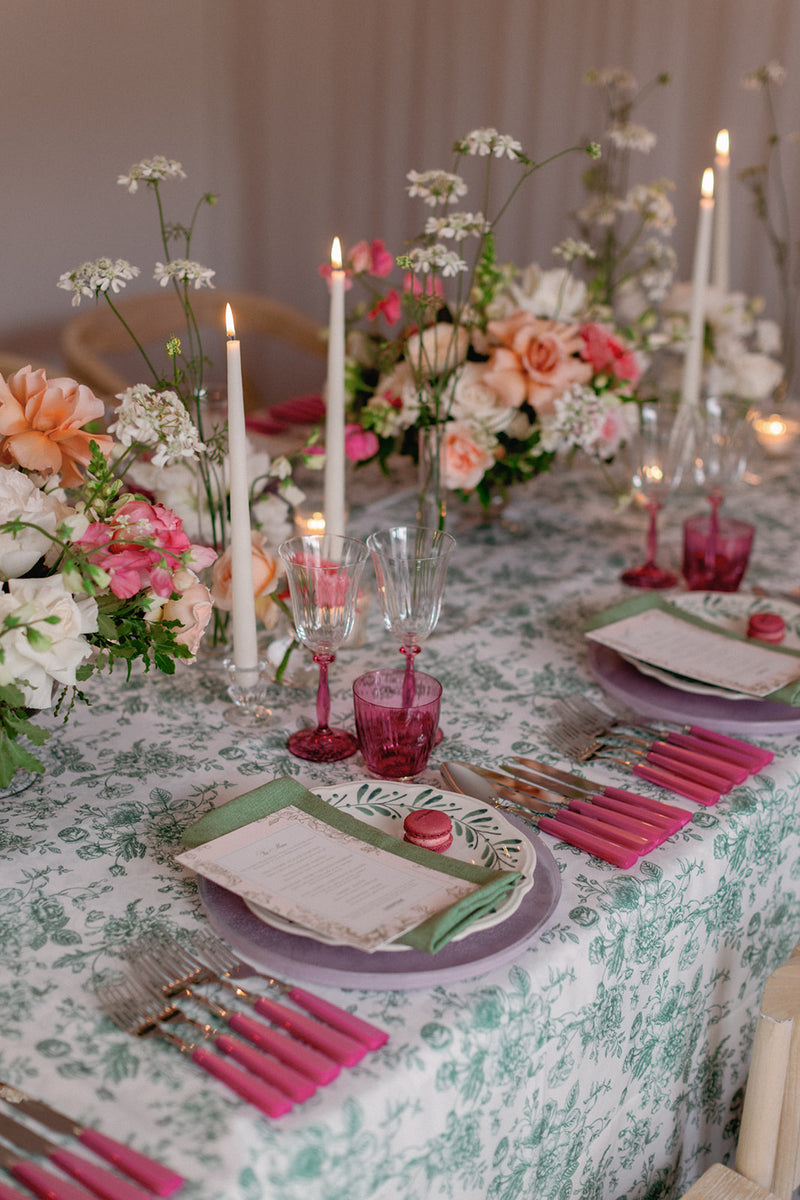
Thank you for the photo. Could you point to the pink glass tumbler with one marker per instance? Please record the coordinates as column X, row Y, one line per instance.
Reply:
column 716, row 551
column 396, row 739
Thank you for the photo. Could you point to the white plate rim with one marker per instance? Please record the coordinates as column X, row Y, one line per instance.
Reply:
column 423, row 792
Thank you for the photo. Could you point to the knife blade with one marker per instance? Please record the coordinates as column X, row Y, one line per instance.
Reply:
column 590, row 785
column 651, row 835
column 583, row 834
column 151, row 1174
column 98, row 1179
column 669, row 823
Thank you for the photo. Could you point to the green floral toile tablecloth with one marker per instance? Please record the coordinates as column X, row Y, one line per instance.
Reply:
column 607, row 1061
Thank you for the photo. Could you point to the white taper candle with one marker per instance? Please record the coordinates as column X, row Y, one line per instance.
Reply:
column 334, row 400
column 693, row 365
column 721, row 273
column 245, row 647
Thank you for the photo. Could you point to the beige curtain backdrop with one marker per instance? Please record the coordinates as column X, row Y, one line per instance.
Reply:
column 305, row 115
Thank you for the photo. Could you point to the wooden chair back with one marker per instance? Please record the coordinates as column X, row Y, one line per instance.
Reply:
column 92, row 338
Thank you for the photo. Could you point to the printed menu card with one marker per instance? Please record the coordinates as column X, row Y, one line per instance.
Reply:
column 309, row 872
column 650, row 630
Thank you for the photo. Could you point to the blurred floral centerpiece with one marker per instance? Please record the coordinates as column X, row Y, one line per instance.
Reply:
column 481, row 371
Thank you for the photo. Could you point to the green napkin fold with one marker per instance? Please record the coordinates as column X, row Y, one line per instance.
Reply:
column 431, row 935
column 788, row 694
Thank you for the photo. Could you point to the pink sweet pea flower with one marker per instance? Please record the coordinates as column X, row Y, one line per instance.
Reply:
column 607, row 353
column 359, row 444
column 389, row 307
column 427, row 286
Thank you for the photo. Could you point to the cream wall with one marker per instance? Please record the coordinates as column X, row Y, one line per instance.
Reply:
column 305, row 115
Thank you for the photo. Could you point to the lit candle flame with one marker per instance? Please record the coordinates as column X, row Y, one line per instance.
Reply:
column 336, row 255
column 723, row 144
column 707, row 187
column 229, row 323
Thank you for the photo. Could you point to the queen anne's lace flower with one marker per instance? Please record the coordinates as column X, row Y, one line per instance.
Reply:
column 457, row 226
column 771, row 72
column 611, row 77
column 423, row 259
column 628, row 135
column 184, row 271
column 650, row 202
column 93, row 278
column 436, row 187
column 483, row 142
column 146, row 417
column 151, row 170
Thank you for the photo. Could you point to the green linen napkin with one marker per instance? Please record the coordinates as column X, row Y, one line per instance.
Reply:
column 431, row 935
column 788, row 694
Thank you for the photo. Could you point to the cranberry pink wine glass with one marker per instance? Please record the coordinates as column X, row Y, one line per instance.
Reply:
column 323, row 572
column 655, row 458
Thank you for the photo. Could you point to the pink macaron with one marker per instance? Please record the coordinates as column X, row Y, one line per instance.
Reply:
column 766, row 627
column 428, row 828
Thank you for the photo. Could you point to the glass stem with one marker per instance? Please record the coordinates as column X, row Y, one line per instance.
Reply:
column 323, row 694
column 409, row 682
column 712, row 540
column 654, row 508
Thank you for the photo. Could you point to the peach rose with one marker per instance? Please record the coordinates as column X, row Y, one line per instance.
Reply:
column 266, row 574
column 465, row 457
column 193, row 609
column 536, row 361
column 41, row 424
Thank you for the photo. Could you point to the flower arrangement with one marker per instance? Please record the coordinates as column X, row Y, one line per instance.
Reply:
column 89, row 574
column 507, row 371
column 185, row 471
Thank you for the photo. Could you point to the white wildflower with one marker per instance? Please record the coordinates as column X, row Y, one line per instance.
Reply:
column 771, row 72
column 457, row 226
column 146, row 417
column 483, row 142
column 581, row 419
column 436, row 187
column 425, row 259
column 94, row 278
column 650, row 202
column 611, row 77
column 184, row 271
column 151, row 170
column 601, row 210
column 628, row 135
column 573, row 248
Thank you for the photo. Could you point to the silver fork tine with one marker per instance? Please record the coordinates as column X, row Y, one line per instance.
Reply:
column 341, row 1047
column 221, row 960
column 140, row 1012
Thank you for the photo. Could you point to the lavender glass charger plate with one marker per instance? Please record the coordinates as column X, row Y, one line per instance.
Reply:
column 303, row 960
column 649, row 697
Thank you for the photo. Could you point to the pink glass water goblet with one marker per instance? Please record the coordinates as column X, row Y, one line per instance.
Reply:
column 323, row 573
column 410, row 567
column 721, row 434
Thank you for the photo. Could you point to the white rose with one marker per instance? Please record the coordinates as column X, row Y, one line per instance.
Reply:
column 19, row 497
column 437, row 349
column 756, row 376
column 35, row 668
column 474, row 400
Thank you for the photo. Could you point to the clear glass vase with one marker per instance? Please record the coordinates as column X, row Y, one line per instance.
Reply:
column 431, row 492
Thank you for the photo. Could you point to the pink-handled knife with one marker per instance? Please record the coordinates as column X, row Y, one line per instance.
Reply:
column 151, row 1174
